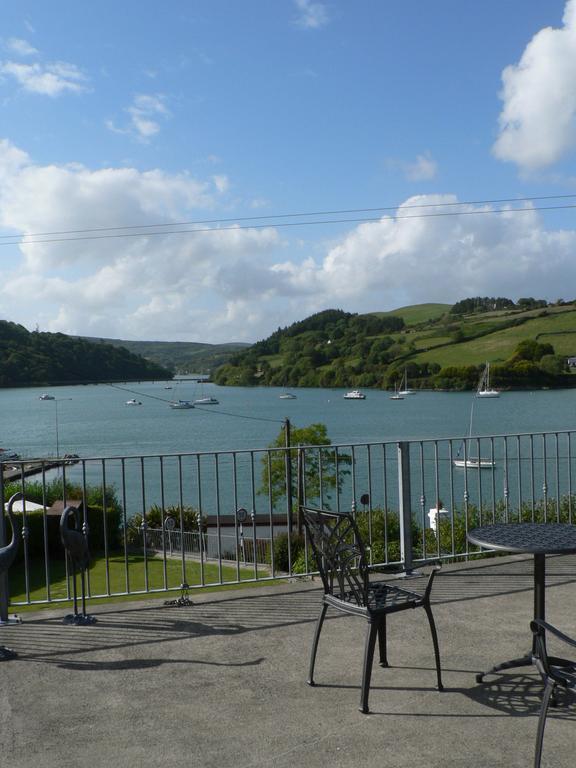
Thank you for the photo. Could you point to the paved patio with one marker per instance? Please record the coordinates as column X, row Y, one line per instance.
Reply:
column 222, row 682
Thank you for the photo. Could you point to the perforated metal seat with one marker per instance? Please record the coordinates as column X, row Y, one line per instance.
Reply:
column 348, row 587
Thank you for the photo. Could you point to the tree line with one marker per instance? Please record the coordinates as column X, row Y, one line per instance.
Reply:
column 38, row 358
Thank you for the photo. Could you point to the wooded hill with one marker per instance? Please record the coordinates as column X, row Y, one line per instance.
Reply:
column 440, row 346
column 179, row 356
column 34, row 358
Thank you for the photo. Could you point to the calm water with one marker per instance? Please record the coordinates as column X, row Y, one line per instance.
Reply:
column 94, row 420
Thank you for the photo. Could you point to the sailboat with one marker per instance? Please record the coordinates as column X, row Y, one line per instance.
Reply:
column 404, row 389
column 205, row 399
column 471, row 462
column 397, row 395
column 484, row 388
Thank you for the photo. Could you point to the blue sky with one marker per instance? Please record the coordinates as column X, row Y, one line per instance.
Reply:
column 117, row 116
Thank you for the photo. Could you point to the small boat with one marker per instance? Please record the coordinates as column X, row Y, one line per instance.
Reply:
column 206, row 401
column 474, row 463
column 7, row 455
column 167, row 387
column 484, row 388
column 355, row 394
column 397, row 395
column 287, row 396
column 404, row 389
column 181, row 405
column 471, row 462
column 133, row 402
column 46, row 396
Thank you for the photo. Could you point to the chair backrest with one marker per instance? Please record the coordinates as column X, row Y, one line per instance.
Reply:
column 340, row 553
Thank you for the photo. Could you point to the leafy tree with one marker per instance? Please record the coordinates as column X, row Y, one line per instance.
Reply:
column 320, row 477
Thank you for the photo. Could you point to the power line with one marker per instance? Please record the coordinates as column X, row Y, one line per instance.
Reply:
column 14, row 240
column 219, row 412
column 279, row 225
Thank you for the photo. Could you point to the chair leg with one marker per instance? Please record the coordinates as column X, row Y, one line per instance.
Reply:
column 319, row 624
column 434, row 634
column 382, row 642
column 367, row 669
column 548, row 691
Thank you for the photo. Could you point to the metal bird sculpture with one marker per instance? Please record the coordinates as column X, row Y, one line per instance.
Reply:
column 76, row 546
column 7, row 555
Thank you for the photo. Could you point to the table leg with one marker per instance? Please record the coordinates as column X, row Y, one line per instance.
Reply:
column 539, row 613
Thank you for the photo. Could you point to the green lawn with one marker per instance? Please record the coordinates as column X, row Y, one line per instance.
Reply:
column 113, row 579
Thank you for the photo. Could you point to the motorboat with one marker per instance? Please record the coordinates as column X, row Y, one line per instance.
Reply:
column 46, row 396
column 355, row 394
column 287, row 396
column 133, row 402
column 484, row 388
column 206, row 401
column 404, row 388
column 181, row 405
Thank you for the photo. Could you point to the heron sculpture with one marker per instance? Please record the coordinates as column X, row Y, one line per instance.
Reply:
column 7, row 555
column 76, row 546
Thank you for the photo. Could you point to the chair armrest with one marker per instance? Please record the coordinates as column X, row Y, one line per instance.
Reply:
column 537, row 625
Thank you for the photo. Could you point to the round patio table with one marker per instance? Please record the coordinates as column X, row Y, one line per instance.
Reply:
column 539, row 539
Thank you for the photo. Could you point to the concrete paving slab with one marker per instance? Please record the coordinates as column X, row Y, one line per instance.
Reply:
column 222, row 682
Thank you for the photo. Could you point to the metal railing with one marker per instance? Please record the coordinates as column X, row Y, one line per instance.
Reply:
column 234, row 514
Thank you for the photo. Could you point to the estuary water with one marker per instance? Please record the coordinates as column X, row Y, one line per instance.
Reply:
column 95, row 421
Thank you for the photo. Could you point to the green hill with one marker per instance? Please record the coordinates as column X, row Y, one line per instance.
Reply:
column 53, row 358
column 440, row 346
column 179, row 356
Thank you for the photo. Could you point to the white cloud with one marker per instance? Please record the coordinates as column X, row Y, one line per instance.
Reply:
column 51, row 79
column 221, row 182
column 312, row 15
column 232, row 283
column 445, row 258
column 538, row 120
column 154, row 286
column 423, row 169
column 144, row 112
column 20, row 47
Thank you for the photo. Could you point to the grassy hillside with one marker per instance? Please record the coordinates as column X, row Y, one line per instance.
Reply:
column 418, row 313
column 555, row 325
column 180, row 356
column 441, row 346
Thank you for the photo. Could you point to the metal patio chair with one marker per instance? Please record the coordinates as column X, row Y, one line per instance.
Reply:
column 341, row 558
column 554, row 675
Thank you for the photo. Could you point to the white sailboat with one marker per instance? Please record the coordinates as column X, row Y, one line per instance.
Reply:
column 471, row 462
column 484, row 388
column 404, row 388
column 397, row 395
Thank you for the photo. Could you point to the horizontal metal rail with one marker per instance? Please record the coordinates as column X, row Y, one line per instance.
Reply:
column 156, row 522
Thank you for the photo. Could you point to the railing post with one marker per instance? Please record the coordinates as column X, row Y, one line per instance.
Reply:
column 404, row 512
column 4, row 576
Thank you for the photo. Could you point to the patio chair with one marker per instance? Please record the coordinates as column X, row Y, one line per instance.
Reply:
column 555, row 673
column 341, row 558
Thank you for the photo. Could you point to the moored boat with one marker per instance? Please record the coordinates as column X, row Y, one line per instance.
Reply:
column 181, row 405
column 354, row 394
column 484, row 388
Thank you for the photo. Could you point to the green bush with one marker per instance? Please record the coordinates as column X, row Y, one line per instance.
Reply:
column 281, row 562
column 39, row 529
